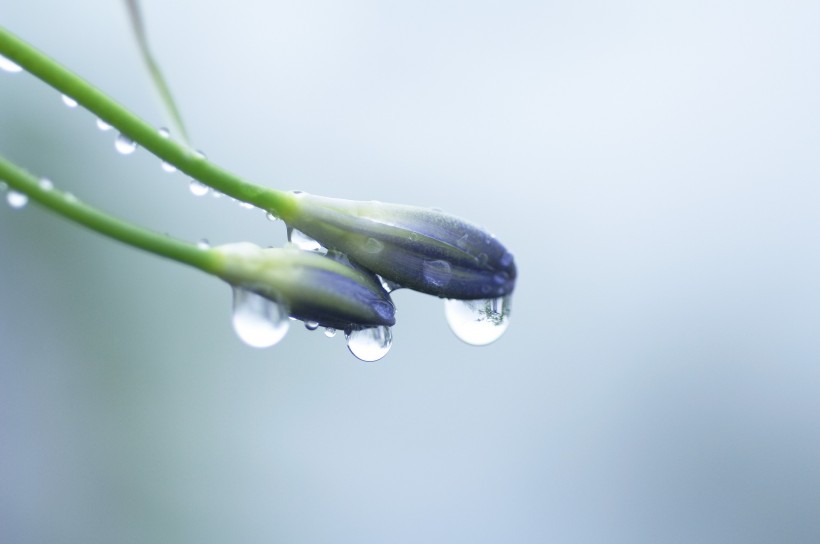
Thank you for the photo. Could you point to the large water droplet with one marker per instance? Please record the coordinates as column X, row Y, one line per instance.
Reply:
column 124, row 144
column 370, row 344
column 478, row 322
column 16, row 200
column 304, row 242
column 197, row 188
column 7, row 66
column 68, row 101
column 102, row 125
column 437, row 273
column 258, row 322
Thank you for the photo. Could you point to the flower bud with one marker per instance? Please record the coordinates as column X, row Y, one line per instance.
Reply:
column 422, row 249
column 312, row 287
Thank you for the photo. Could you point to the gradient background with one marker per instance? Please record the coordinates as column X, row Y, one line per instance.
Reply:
column 654, row 167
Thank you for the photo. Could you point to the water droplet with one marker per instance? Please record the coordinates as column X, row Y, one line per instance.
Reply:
column 304, row 242
column 311, row 325
column 436, row 273
column 168, row 167
column 271, row 217
column 463, row 241
column 370, row 344
column 164, row 132
column 70, row 198
column 45, row 184
column 478, row 322
column 200, row 155
column 68, row 101
column 330, row 332
column 258, row 321
column 197, row 188
column 203, row 244
column 388, row 285
column 124, row 144
column 216, row 194
column 246, row 205
column 102, row 125
column 7, row 66
column 373, row 246
column 16, row 200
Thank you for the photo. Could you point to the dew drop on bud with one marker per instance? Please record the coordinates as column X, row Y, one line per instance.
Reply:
column 258, row 321
column 7, row 66
column 197, row 188
column 124, row 144
column 478, row 322
column 436, row 273
column 16, row 200
column 102, row 125
column 370, row 344
column 68, row 101
column 304, row 242
column 330, row 332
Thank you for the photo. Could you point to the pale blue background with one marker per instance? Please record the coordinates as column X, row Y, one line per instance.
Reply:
column 654, row 166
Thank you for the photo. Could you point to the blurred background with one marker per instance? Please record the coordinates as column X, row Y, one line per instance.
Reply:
column 653, row 166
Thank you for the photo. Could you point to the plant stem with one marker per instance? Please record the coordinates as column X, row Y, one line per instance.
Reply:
column 96, row 220
column 135, row 16
column 185, row 159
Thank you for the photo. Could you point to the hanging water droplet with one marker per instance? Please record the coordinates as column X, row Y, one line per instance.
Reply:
column 203, row 244
column 370, row 344
column 7, row 66
column 478, row 322
column 311, row 325
column 373, row 246
column 197, row 188
column 168, row 167
column 164, row 132
column 68, row 101
column 304, row 242
column 271, row 217
column 124, row 144
column 16, row 200
column 102, row 125
column 436, row 273
column 259, row 322
column 45, row 184
column 246, row 205
column 330, row 332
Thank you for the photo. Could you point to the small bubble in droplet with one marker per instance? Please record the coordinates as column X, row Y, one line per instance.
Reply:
column 16, row 200
column 271, row 217
column 164, row 132
column 436, row 273
column 7, row 66
column 258, row 321
column 330, row 332
column 478, row 322
column 45, row 184
column 304, row 242
column 68, row 101
column 197, row 188
column 203, row 244
column 311, row 325
column 373, row 246
column 124, row 144
column 370, row 344
column 168, row 167
column 102, row 125
column 200, row 155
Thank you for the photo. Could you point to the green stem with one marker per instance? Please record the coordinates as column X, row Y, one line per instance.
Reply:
column 185, row 159
column 135, row 16
column 70, row 208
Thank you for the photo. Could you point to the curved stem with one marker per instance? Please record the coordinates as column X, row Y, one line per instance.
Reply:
column 96, row 220
column 135, row 16
column 182, row 157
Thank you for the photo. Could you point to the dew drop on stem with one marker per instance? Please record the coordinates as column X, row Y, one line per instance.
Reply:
column 68, row 101
column 164, row 133
column 7, row 66
column 124, row 145
column 102, row 125
column 197, row 188
column 16, row 200
column 258, row 321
